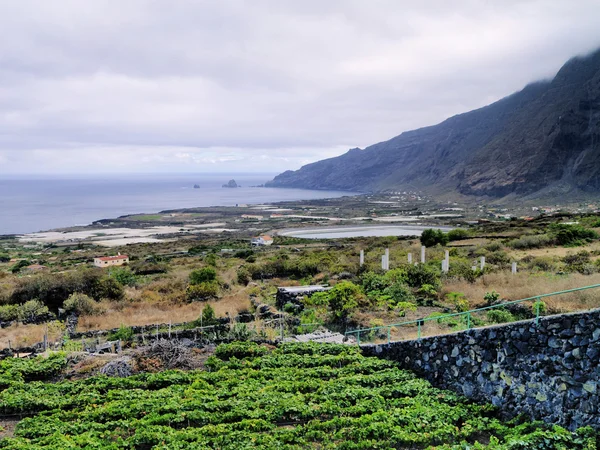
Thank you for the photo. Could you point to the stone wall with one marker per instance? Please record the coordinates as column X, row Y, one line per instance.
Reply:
column 549, row 371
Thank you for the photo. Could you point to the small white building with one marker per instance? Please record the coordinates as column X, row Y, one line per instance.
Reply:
column 110, row 261
column 261, row 240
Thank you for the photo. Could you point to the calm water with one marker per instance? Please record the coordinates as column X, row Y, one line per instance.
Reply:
column 366, row 231
column 36, row 204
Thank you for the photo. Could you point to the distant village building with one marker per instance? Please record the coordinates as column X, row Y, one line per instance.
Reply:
column 261, row 240
column 252, row 216
column 109, row 261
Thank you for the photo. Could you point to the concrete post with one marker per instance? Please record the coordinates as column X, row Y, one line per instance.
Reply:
column 482, row 264
column 514, row 268
column 422, row 254
column 387, row 259
column 362, row 258
column 447, row 258
column 383, row 262
column 410, row 258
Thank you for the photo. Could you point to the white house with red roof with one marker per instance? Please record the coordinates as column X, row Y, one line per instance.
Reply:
column 110, row 261
column 262, row 240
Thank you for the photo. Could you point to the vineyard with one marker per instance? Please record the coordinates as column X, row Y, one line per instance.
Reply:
column 297, row 396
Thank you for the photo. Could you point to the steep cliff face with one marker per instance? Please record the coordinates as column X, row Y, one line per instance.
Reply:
column 546, row 135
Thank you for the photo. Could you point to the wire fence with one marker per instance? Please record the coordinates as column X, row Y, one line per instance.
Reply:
column 474, row 318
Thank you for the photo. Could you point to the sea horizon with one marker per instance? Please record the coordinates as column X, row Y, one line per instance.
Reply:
column 40, row 202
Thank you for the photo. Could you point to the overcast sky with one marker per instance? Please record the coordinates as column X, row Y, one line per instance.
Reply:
column 238, row 86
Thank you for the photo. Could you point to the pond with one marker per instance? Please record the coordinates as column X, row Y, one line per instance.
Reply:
column 358, row 231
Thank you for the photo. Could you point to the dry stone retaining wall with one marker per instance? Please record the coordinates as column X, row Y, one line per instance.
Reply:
column 549, row 371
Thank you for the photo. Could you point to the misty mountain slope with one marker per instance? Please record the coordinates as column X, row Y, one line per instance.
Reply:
column 546, row 134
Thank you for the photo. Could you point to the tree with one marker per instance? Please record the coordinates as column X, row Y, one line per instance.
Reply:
column 431, row 237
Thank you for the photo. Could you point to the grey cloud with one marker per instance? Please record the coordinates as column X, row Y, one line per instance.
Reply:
column 243, row 85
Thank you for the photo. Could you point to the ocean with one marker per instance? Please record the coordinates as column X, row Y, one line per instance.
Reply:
column 35, row 203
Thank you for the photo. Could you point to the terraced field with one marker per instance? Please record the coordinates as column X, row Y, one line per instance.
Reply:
column 297, row 396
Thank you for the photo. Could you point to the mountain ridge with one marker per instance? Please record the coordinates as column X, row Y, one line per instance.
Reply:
column 543, row 136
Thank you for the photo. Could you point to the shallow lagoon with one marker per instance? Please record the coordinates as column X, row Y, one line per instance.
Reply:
column 358, row 231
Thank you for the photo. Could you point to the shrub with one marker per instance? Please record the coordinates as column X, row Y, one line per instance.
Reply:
column 432, row 237
column 403, row 307
column 528, row 242
column 243, row 275
column 458, row 300
column 457, row 234
column 499, row 316
column 343, row 299
column 539, row 305
column 32, row 311
column 19, row 265
column 491, row 298
column 372, row 282
column 203, row 291
column 205, row 274
column 465, row 271
column 243, row 253
column 543, row 263
column 124, row 334
column 419, row 275
column 81, row 304
column 399, row 292
column 8, row 313
column 498, row 258
column 571, row 235
column 493, row 246
column 207, row 318
column 123, row 276
column 4, row 258
column 148, row 267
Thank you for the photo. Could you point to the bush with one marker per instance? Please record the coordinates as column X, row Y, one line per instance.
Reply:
column 81, row 304
column 491, row 298
column 243, row 253
column 528, row 242
column 32, row 311
column 205, row 274
column 123, row 276
column 8, row 313
column 458, row 300
column 124, row 334
column 343, row 299
column 419, row 275
column 457, row 234
column 4, row 258
column 148, row 267
column 498, row 258
column 207, row 318
column 399, row 292
column 432, row 237
column 203, row 291
column 571, row 235
column 499, row 316
column 19, row 265
column 372, row 282
column 543, row 263
column 243, row 276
